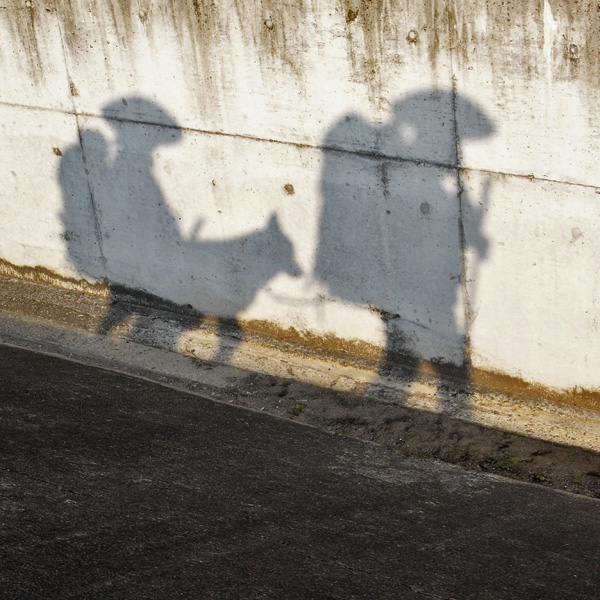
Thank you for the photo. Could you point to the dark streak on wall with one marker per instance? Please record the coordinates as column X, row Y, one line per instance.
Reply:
column 383, row 31
column 277, row 33
column 579, row 60
column 276, row 28
column 23, row 22
column 514, row 38
column 200, row 27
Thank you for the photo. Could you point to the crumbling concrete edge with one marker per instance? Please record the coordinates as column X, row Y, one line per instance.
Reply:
column 161, row 346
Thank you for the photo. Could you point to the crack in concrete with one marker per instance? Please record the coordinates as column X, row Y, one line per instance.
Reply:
column 462, row 239
column 97, row 228
column 321, row 148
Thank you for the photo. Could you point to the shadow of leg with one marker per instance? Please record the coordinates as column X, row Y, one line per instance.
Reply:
column 455, row 391
column 117, row 314
column 397, row 360
column 230, row 337
column 452, row 383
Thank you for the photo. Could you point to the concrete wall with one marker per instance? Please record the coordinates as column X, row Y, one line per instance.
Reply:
column 414, row 177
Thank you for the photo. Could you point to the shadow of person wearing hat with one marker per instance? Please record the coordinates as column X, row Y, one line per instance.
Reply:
column 392, row 226
column 131, row 237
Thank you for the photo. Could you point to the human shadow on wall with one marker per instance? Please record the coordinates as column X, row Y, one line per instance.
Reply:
column 391, row 231
column 120, row 228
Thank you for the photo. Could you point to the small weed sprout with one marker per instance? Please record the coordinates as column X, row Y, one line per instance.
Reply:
column 298, row 409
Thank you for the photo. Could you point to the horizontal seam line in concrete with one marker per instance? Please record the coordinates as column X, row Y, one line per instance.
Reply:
column 361, row 153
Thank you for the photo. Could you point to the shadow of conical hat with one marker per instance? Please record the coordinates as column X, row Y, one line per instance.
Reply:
column 142, row 110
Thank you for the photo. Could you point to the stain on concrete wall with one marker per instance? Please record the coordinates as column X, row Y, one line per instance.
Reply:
column 23, row 23
column 523, row 38
column 392, row 30
column 514, row 32
column 280, row 29
column 201, row 30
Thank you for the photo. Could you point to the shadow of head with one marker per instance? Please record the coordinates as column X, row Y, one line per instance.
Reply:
column 160, row 129
column 439, row 117
column 270, row 252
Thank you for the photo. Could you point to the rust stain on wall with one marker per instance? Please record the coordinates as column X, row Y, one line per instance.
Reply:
column 47, row 276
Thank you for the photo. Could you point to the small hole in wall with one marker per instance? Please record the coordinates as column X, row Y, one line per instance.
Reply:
column 351, row 15
column 412, row 37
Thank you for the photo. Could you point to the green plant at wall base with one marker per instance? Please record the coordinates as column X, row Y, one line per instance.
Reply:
column 509, row 463
column 299, row 408
column 512, row 461
column 576, row 479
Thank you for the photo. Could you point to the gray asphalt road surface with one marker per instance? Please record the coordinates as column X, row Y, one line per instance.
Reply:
column 114, row 487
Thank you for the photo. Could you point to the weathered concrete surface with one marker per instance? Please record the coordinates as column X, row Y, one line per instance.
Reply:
column 400, row 178
column 521, row 302
column 115, row 487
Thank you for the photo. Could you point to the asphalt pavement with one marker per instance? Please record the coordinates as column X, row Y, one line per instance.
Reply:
column 115, row 487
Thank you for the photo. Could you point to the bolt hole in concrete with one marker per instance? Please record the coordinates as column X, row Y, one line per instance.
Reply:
column 412, row 37
column 573, row 52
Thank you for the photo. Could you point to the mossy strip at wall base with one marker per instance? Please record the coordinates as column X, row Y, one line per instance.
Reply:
column 46, row 276
column 37, row 292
